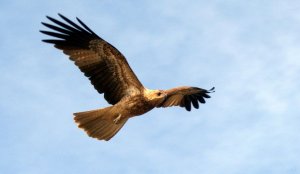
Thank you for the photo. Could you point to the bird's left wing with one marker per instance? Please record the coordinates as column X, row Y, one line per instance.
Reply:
column 185, row 97
column 102, row 63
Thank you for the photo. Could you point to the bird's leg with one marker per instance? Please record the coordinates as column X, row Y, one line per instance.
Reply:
column 117, row 119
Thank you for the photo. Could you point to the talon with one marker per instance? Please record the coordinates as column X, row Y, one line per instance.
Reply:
column 117, row 119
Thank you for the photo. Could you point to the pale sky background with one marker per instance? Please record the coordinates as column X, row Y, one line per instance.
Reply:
column 248, row 50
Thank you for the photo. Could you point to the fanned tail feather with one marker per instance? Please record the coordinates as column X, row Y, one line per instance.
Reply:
column 99, row 123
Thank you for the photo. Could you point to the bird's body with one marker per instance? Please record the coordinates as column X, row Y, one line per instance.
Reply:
column 135, row 105
column 110, row 73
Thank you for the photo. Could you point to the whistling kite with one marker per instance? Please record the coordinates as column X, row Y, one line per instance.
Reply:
column 110, row 74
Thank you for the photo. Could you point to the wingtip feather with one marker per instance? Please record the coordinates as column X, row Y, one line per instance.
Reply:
column 211, row 90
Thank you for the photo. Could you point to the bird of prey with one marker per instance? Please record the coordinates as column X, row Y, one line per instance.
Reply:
column 111, row 75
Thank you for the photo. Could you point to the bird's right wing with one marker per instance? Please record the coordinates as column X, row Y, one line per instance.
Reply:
column 102, row 63
column 185, row 96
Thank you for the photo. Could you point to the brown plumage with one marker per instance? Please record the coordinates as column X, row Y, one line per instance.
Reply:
column 111, row 75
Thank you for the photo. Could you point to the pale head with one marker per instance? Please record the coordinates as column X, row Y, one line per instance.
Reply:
column 155, row 96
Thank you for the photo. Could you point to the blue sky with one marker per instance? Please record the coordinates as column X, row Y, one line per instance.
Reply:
column 248, row 50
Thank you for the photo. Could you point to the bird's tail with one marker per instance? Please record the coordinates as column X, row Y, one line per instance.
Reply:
column 99, row 123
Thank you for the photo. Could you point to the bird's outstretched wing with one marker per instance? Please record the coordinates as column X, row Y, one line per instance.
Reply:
column 102, row 63
column 185, row 97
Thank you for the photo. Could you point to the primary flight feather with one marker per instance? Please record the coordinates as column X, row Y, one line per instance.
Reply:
column 110, row 73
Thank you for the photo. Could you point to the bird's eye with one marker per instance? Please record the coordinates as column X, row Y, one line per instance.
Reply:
column 158, row 94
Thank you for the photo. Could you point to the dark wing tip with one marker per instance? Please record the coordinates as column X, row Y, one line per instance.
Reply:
column 200, row 97
column 211, row 90
column 205, row 93
column 86, row 27
column 59, row 14
column 50, row 18
column 194, row 101
column 66, row 33
column 51, row 41
column 187, row 103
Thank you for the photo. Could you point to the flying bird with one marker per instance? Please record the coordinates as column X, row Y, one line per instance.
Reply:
column 111, row 75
